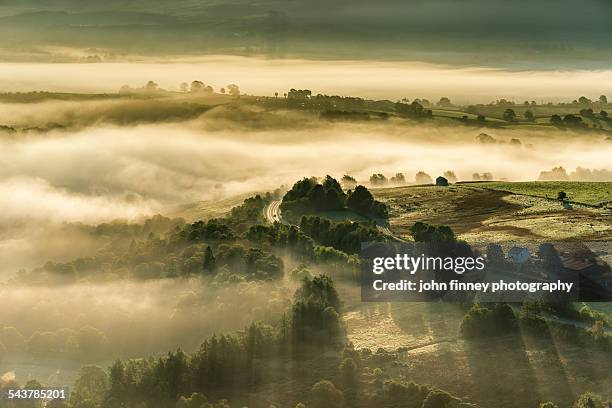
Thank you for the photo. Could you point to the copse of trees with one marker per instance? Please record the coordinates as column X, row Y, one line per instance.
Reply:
column 378, row 179
column 345, row 236
column 569, row 121
column 348, row 182
column 423, row 232
column 510, row 115
column 309, row 196
column 399, row 179
column 226, row 364
column 164, row 248
column 413, row 110
column 252, row 263
column 304, row 248
column 362, row 201
column 481, row 321
column 423, row 178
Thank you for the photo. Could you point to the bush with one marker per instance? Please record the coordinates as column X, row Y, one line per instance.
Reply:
column 484, row 322
column 324, row 394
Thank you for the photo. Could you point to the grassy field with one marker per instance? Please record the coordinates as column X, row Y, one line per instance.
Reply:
column 591, row 193
column 486, row 212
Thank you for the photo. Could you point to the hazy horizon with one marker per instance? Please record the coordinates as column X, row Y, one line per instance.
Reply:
column 264, row 76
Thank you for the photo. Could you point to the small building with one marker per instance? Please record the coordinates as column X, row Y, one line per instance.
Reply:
column 441, row 181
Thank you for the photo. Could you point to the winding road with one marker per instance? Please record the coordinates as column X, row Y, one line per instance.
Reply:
column 272, row 212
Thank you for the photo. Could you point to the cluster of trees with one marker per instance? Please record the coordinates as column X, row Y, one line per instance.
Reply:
column 497, row 319
column 227, row 364
column 532, row 319
column 310, row 196
column 237, row 247
column 399, row 179
column 486, row 176
column 304, row 248
column 243, row 364
column 482, row 321
column 422, row 178
column 196, row 86
column 304, row 99
column 85, row 344
column 345, row 236
column 423, row 232
column 568, row 121
column 580, row 174
column 413, row 110
column 151, row 87
column 251, row 263
column 164, row 248
column 348, row 182
column 361, row 200
column 379, row 179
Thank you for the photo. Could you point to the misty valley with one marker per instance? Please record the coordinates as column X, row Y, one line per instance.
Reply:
column 201, row 247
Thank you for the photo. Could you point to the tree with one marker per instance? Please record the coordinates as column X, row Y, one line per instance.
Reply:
column 556, row 120
column 562, row 196
column 444, row 102
column 450, row 176
column 423, row 178
column 197, row 86
column 603, row 114
column 439, row 399
column 509, row 115
column 548, row 405
column 151, row 86
column 587, row 113
column 529, row 116
column 91, row 385
column 325, row 395
column 588, row 400
column 583, row 100
column 349, row 373
column 573, row 121
column 233, row 90
column 361, row 200
column 222, row 90
column 184, row 87
column 378, row 180
column 398, row 179
column 422, row 232
column 348, row 181
column 209, row 263
column 603, row 99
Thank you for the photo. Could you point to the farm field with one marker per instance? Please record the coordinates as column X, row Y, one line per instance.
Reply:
column 590, row 193
column 482, row 214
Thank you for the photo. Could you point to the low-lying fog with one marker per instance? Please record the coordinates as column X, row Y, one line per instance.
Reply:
column 259, row 76
column 100, row 173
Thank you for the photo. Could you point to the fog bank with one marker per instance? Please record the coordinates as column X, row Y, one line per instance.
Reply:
column 259, row 76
